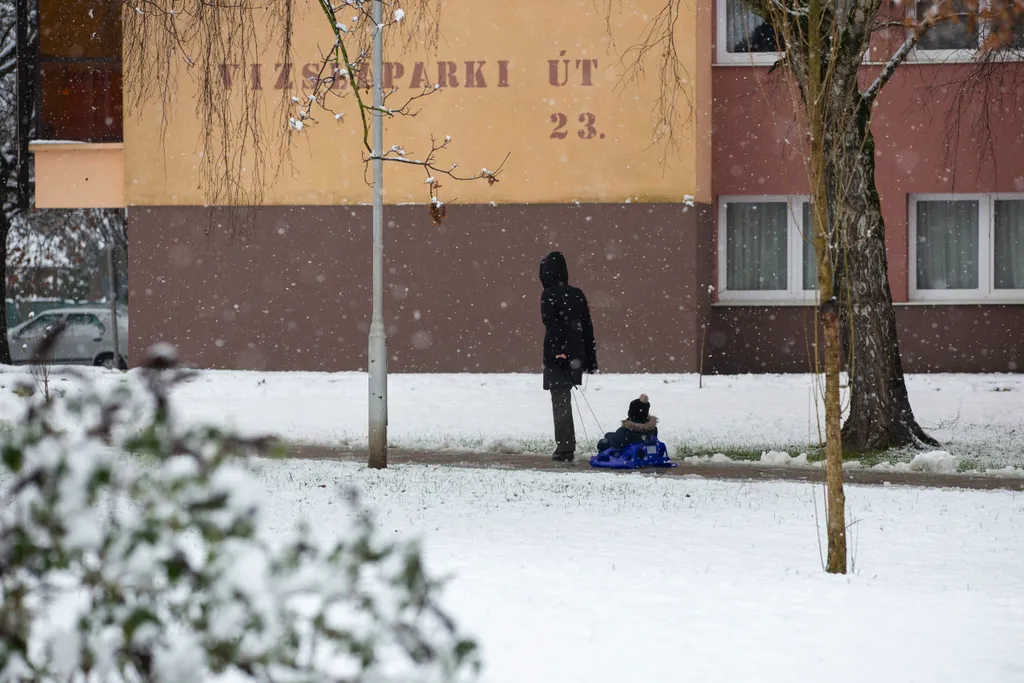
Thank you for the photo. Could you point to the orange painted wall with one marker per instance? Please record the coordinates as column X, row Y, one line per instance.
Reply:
column 513, row 110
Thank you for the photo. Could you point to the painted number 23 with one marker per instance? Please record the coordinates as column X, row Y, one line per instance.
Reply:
column 587, row 132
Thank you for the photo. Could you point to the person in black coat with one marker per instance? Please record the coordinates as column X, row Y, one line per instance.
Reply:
column 569, row 347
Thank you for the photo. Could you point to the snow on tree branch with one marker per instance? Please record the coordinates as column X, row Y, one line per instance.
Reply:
column 351, row 24
column 659, row 38
column 160, row 566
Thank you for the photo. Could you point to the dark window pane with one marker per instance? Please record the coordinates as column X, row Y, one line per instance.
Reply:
column 80, row 70
column 81, row 101
column 80, row 29
column 745, row 31
column 1009, row 244
column 958, row 31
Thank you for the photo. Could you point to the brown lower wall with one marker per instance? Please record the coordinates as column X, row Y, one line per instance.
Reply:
column 932, row 338
column 292, row 291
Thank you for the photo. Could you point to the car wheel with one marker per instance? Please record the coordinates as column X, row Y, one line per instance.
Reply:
column 107, row 361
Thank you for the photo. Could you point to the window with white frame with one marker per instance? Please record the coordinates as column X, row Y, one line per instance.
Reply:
column 743, row 37
column 962, row 32
column 967, row 247
column 765, row 249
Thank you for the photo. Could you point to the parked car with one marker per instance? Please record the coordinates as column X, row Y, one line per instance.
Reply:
column 88, row 339
column 11, row 313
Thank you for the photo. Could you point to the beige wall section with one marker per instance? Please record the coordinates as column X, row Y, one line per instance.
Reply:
column 73, row 175
column 515, row 109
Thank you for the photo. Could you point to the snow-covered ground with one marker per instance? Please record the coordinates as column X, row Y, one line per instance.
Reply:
column 569, row 577
column 978, row 418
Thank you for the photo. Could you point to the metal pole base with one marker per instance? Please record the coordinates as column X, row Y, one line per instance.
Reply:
column 378, row 396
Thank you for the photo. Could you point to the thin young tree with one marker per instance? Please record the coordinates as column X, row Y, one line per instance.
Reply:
column 810, row 88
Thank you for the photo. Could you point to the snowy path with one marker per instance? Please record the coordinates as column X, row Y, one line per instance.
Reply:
column 687, row 468
column 978, row 418
column 614, row 579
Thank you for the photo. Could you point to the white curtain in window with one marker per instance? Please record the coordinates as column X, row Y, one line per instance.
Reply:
column 741, row 28
column 756, row 246
column 1009, row 244
column 810, row 260
column 947, row 244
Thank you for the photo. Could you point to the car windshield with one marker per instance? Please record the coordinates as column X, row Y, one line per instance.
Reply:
column 40, row 326
column 79, row 323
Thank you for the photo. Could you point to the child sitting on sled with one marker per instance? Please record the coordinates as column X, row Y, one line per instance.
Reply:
column 638, row 425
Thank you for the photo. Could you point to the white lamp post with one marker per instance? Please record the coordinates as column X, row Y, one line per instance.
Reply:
column 378, row 351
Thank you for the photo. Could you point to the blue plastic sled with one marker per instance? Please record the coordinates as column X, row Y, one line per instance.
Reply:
column 651, row 453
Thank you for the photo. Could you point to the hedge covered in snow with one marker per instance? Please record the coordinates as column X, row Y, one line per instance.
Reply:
column 160, row 567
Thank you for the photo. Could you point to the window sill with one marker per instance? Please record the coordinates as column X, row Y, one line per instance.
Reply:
column 762, row 303
column 759, row 59
column 44, row 146
column 941, row 57
column 962, row 302
column 765, row 303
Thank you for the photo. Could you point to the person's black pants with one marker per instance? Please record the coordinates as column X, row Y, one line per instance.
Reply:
column 565, row 430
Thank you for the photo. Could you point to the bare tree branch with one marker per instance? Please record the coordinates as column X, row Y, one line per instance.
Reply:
column 669, row 116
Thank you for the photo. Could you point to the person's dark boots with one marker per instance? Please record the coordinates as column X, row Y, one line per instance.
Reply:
column 563, row 457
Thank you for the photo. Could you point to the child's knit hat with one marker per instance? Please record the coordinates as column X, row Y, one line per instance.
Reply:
column 640, row 410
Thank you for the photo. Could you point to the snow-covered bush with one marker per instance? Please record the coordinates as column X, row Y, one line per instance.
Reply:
column 159, row 566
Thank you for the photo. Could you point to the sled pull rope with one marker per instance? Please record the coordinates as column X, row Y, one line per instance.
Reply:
column 583, row 423
column 592, row 413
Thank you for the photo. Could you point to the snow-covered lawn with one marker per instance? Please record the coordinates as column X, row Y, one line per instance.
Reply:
column 568, row 577
column 978, row 418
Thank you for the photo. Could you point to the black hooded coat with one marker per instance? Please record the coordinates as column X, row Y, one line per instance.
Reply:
column 568, row 328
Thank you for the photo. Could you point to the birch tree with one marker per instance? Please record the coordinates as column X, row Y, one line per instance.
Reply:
column 880, row 414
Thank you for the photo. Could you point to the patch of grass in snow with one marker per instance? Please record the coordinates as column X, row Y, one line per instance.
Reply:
column 737, row 453
column 969, row 465
column 814, row 453
column 869, row 459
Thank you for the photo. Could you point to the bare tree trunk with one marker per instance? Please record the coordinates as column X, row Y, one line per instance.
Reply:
column 880, row 413
column 823, row 239
column 5, row 229
column 836, row 513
